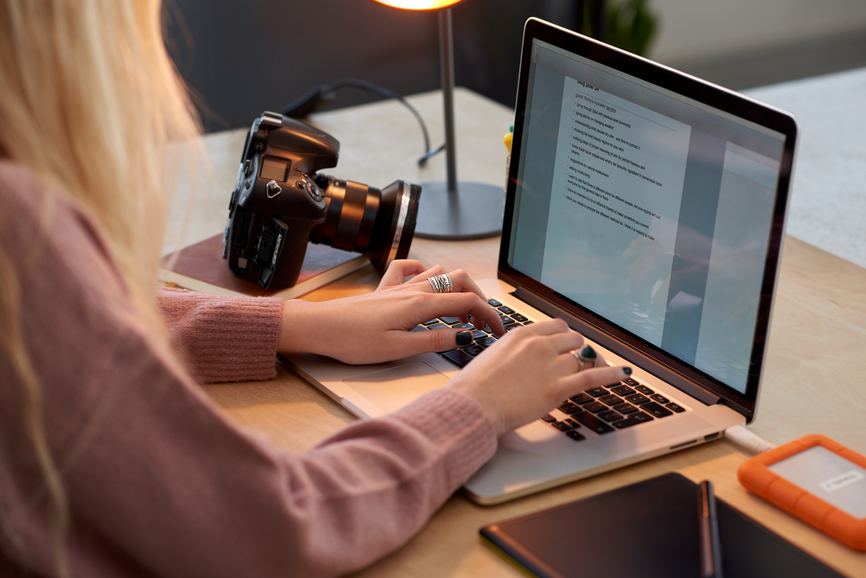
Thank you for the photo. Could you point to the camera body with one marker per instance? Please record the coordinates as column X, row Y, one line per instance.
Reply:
column 280, row 204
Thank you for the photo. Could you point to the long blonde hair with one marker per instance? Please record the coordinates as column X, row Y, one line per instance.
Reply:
column 90, row 101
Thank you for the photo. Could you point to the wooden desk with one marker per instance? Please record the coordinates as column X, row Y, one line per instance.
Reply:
column 813, row 383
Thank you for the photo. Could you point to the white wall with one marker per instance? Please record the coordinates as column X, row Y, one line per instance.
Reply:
column 691, row 30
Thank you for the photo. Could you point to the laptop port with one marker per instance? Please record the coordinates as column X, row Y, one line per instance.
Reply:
column 682, row 445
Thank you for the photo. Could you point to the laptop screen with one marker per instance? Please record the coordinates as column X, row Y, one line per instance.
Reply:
column 648, row 209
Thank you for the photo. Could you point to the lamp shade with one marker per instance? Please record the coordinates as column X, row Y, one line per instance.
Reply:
column 419, row 4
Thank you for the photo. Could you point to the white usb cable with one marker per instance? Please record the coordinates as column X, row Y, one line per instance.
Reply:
column 747, row 439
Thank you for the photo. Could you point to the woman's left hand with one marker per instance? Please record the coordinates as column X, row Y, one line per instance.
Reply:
column 377, row 326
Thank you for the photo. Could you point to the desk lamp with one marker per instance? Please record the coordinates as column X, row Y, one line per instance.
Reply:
column 452, row 210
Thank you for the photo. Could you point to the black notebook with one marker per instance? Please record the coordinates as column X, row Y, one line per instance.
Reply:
column 646, row 529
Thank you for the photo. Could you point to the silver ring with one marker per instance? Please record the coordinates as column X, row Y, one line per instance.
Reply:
column 441, row 283
column 579, row 359
column 586, row 357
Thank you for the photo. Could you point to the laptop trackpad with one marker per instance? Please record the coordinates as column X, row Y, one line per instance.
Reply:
column 395, row 387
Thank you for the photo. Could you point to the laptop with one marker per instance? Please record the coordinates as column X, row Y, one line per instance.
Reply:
column 647, row 209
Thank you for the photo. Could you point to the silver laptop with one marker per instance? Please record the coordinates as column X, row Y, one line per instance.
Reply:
column 647, row 209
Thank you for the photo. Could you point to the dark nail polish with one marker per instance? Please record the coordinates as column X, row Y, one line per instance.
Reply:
column 588, row 353
column 464, row 338
column 626, row 370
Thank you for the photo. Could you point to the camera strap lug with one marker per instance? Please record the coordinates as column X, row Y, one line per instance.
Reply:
column 273, row 189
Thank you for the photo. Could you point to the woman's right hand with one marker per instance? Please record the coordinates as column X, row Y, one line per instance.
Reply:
column 530, row 371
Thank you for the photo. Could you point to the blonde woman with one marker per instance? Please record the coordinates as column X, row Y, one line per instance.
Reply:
column 112, row 460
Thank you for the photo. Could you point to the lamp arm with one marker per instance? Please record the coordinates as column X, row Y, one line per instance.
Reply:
column 446, row 53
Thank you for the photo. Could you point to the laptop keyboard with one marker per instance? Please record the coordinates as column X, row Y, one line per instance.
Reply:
column 601, row 410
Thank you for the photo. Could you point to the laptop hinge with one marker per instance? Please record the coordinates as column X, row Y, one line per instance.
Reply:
column 628, row 353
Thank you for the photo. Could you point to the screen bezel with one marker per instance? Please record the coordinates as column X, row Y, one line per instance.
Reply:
column 611, row 336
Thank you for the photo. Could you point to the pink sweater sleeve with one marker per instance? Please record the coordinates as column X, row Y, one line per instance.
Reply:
column 223, row 338
column 158, row 481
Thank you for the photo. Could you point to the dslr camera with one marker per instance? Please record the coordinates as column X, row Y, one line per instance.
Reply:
column 281, row 203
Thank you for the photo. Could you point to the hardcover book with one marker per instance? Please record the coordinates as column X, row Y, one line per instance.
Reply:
column 200, row 267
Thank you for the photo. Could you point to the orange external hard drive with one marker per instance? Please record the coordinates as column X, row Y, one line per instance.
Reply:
column 817, row 480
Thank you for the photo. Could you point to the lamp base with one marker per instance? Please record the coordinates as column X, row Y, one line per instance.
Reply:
column 474, row 212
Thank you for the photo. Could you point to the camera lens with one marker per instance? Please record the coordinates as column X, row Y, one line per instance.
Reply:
column 379, row 224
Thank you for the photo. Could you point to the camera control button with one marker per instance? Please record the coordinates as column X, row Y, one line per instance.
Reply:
column 312, row 188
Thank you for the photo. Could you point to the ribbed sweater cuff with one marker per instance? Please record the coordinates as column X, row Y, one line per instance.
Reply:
column 458, row 424
column 224, row 338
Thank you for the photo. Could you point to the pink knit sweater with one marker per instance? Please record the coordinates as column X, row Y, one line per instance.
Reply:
column 158, row 481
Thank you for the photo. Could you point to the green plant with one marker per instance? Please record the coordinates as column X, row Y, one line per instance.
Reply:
column 629, row 24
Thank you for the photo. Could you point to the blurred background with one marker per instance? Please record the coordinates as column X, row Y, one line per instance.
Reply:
column 241, row 58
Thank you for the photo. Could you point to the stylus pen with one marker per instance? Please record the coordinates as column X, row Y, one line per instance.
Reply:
column 711, row 556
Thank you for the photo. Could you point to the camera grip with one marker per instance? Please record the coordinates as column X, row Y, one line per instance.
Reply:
column 284, row 271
